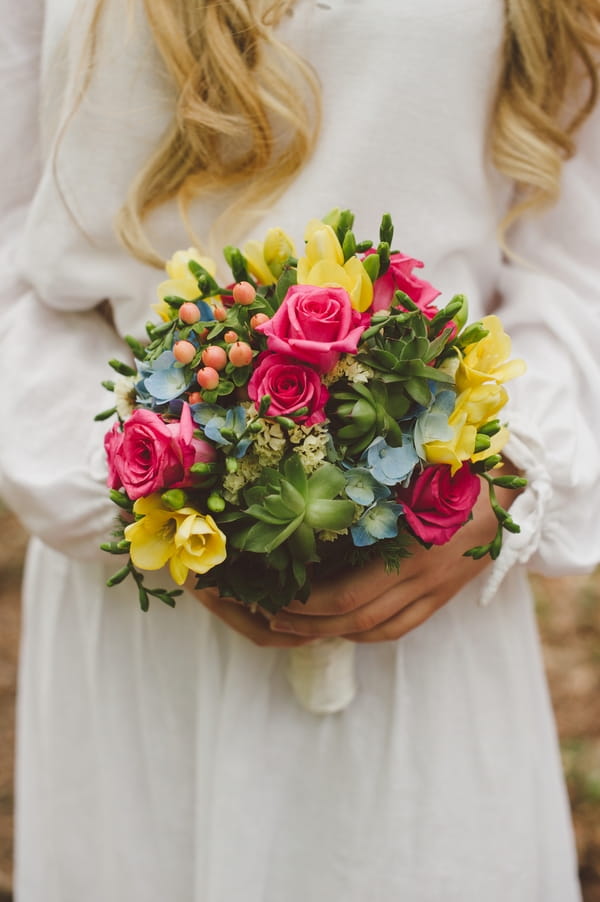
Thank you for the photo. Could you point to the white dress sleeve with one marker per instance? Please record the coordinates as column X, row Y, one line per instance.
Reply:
column 551, row 308
column 52, row 471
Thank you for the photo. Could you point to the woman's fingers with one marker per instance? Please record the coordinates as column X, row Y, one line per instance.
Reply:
column 365, row 618
column 253, row 626
column 349, row 592
column 401, row 623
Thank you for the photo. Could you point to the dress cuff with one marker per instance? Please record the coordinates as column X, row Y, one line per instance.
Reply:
column 525, row 450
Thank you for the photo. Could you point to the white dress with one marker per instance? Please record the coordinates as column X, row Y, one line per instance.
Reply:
column 162, row 756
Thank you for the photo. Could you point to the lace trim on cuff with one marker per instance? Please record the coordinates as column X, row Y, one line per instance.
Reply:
column 525, row 450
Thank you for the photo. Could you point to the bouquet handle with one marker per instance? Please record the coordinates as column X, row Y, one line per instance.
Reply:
column 322, row 675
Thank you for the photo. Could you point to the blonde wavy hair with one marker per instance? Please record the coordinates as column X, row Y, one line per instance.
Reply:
column 548, row 86
column 246, row 119
column 237, row 85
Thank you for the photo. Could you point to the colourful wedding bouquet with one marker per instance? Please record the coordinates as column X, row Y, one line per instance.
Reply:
column 317, row 412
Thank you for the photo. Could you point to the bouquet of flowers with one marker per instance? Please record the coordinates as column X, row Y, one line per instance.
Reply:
column 315, row 413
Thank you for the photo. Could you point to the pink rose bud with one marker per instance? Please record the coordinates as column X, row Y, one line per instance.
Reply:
column 258, row 319
column 240, row 353
column 189, row 313
column 220, row 314
column 207, row 378
column 194, row 397
column 214, row 356
column 184, row 351
column 243, row 293
column 230, row 336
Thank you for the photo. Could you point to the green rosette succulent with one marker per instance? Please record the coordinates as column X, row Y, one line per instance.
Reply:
column 287, row 506
column 361, row 413
column 401, row 349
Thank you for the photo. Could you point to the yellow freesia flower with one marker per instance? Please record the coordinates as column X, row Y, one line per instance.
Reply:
column 487, row 360
column 185, row 539
column 474, row 407
column 181, row 283
column 323, row 264
column 266, row 261
column 481, row 403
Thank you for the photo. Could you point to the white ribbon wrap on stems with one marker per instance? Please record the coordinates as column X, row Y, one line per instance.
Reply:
column 322, row 675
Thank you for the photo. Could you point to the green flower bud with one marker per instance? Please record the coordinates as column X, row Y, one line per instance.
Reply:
column 119, row 576
column 482, row 443
column 372, row 265
column 386, row 229
column 123, row 368
column 215, row 503
column 174, row 499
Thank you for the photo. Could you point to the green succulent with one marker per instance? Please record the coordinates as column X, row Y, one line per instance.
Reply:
column 362, row 413
column 286, row 505
column 400, row 349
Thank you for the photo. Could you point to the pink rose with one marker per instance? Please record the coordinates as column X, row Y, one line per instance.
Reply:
column 291, row 385
column 437, row 504
column 400, row 276
column 112, row 445
column 150, row 455
column 315, row 324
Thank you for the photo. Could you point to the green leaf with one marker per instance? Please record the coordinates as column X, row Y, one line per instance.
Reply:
column 265, row 513
column 261, row 537
column 294, row 472
column 293, row 499
column 381, row 359
column 334, row 515
column 286, row 280
column 418, row 391
column 206, row 282
column 302, row 544
column 241, row 375
column 325, row 483
column 238, row 265
column 225, row 387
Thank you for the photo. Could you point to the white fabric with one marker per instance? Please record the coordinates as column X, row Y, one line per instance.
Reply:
column 162, row 756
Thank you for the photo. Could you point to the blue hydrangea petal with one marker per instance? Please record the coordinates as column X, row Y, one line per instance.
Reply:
column 164, row 378
column 432, row 424
column 389, row 465
column 380, row 521
column 363, row 488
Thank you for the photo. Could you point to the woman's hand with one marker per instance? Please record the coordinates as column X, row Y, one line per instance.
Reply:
column 239, row 617
column 369, row 605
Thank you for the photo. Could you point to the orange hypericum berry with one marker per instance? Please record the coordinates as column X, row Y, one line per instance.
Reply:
column 240, row 353
column 189, row 313
column 184, row 351
column 243, row 293
column 207, row 378
column 214, row 356
column 258, row 319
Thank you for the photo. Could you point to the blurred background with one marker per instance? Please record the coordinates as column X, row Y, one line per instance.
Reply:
column 569, row 618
